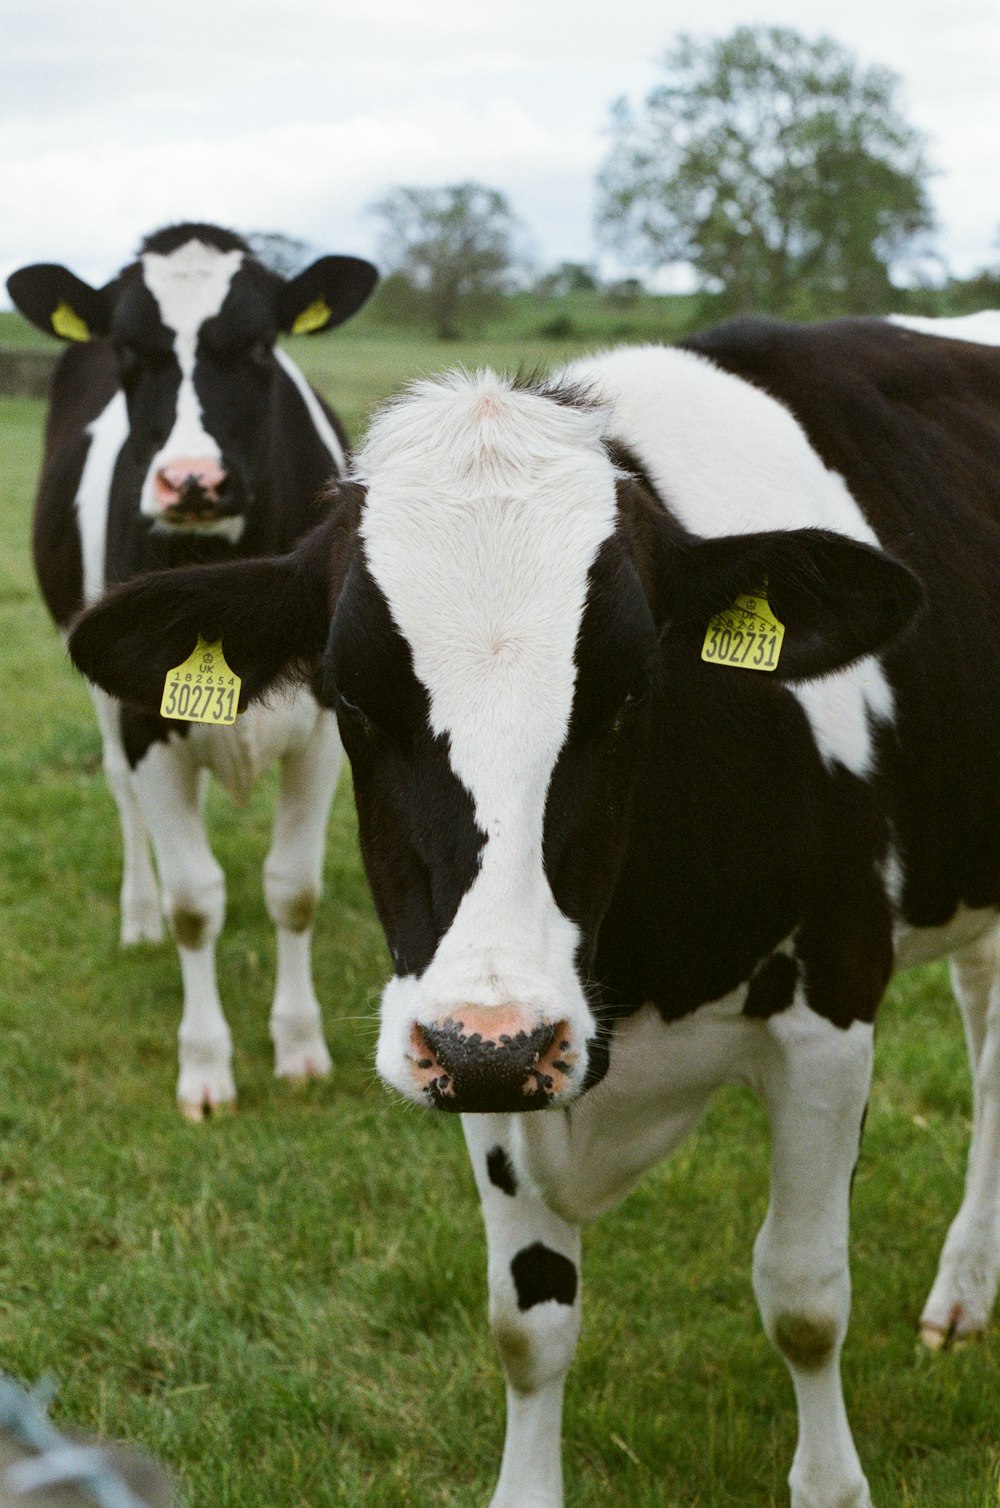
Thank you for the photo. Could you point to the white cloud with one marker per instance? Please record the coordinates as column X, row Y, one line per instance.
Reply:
column 294, row 114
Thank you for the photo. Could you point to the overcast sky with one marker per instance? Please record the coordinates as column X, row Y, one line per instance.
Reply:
column 117, row 116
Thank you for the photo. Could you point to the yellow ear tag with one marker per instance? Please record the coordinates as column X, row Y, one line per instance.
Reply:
column 67, row 323
column 312, row 318
column 746, row 635
column 203, row 689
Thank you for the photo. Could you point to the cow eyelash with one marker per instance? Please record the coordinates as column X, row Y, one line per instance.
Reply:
column 131, row 358
column 629, row 702
column 354, row 712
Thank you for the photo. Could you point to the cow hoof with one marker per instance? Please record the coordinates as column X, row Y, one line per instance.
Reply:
column 304, row 1064
column 199, row 1111
column 945, row 1338
column 143, row 924
column 300, row 1054
column 205, row 1087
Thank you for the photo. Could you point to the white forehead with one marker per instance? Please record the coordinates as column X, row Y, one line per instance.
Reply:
column 191, row 283
column 485, row 509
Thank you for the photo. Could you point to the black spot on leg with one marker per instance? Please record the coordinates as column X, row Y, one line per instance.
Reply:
column 540, row 1274
column 772, row 987
column 807, row 1341
column 501, row 1171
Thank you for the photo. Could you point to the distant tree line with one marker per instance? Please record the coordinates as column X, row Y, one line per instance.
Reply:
column 779, row 170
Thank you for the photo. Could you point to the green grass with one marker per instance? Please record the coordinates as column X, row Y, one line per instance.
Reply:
column 288, row 1305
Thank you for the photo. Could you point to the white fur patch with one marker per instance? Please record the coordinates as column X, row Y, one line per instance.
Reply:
column 108, row 434
column 982, row 328
column 486, row 507
column 265, row 732
column 190, row 286
column 314, row 408
column 728, row 459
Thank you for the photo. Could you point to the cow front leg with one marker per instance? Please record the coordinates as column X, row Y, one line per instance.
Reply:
column 141, row 916
column 194, row 899
column 814, row 1079
column 534, row 1309
column 965, row 1287
column 292, row 882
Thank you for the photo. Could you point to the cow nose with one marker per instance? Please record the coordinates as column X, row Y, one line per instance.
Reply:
column 188, row 479
column 493, row 1059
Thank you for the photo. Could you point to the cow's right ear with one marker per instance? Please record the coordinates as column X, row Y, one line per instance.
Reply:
column 272, row 618
column 325, row 294
column 59, row 302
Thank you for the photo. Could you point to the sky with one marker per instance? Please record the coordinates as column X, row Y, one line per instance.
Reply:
column 119, row 116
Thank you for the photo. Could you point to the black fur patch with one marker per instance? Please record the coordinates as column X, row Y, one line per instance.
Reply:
column 140, row 730
column 541, row 1274
column 501, row 1171
column 172, row 237
column 772, row 988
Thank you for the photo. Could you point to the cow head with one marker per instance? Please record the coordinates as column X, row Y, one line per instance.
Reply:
column 487, row 611
column 193, row 324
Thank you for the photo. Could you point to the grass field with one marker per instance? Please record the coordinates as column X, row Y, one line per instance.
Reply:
column 288, row 1305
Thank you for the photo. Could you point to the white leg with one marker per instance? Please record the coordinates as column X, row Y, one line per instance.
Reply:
column 169, row 786
column 534, row 1308
column 539, row 1177
column 141, row 917
column 292, row 882
column 814, row 1078
column 965, row 1288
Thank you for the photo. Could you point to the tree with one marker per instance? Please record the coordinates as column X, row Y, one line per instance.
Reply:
column 568, row 277
column 285, row 255
column 780, row 169
column 455, row 244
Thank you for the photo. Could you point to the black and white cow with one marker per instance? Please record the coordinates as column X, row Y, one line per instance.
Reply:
column 177, row 432
column 615, row 876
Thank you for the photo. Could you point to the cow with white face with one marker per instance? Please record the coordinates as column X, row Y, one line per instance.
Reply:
column 179, row 431
column 660, row 772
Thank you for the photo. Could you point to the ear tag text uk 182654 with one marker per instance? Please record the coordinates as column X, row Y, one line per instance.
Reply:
column 746, row 635
column 203, row 689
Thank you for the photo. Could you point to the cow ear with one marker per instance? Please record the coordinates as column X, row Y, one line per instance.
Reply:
column 59, row 302
column 271, row 616
column 836, row 599
column 325, row 294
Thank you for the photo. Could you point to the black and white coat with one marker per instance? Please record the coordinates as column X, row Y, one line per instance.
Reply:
column 555, row 791
column 177, row 432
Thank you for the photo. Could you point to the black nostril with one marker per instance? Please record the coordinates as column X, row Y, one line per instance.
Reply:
column 482, row 1074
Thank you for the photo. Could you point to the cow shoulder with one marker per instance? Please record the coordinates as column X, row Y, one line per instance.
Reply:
column 84, row 384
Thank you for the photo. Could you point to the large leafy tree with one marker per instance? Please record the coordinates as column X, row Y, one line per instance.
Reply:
column 780, row 169
column 456, row 245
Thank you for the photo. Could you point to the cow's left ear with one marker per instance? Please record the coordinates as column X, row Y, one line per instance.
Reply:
column 60, row 303
column 271, row 616
column 837, row 599
column 325, row 294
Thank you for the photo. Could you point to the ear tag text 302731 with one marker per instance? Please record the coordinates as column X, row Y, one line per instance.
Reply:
column 746, row 635
column 203, row 689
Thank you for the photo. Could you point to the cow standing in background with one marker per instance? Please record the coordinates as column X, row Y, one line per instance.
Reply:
column 179, row 432
column 626, row 850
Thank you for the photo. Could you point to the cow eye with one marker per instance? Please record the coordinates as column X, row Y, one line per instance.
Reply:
column 128, row 361
column 133, row 359
column 628, row 704
column 353, row 713
column 260, row 353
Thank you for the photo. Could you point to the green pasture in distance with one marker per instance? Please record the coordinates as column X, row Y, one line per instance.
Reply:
column 288, row 1305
